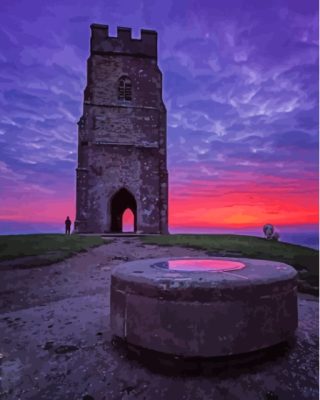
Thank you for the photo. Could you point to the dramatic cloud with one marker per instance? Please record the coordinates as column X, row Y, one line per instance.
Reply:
column 240, row 86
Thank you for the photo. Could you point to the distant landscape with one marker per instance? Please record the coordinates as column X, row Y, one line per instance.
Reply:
column 304, row 235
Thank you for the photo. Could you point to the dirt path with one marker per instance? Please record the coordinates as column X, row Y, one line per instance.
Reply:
column 55, row 340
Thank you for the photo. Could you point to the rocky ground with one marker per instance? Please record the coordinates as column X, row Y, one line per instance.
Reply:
column 55, row 341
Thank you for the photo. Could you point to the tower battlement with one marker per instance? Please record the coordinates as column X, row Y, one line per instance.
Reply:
column 123, row 43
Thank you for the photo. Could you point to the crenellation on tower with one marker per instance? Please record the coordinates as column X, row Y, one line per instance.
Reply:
column 124, row 34
column 123, row 43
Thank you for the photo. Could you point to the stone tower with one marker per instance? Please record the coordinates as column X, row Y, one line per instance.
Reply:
column 122, row 136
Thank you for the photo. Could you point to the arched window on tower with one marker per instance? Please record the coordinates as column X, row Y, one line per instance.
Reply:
column 124, row 89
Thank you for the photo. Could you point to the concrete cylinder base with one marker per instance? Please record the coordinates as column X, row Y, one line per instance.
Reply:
column 207, row 313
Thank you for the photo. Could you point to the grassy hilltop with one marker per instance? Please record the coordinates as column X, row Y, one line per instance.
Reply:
column 27, row 251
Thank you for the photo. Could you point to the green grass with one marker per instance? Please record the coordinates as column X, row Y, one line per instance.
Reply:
column 44, row 248
column 300, row 257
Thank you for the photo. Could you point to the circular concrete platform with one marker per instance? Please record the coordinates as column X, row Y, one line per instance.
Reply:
column 224, row 307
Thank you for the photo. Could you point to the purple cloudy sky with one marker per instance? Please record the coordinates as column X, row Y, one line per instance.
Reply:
column 240, row 86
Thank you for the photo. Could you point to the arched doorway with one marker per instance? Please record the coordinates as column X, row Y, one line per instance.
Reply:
column 120, row 202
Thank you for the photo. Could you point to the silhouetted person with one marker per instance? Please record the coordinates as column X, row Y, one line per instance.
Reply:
column 68, row 225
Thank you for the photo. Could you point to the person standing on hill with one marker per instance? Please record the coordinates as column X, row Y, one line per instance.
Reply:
column 68, row 225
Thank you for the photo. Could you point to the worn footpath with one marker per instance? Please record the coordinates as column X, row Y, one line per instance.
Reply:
column 55, row 340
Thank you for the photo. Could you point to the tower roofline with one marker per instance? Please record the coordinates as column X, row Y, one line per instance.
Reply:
column 123, row 43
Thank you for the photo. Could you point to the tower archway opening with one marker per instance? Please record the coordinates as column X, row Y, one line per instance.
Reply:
column 128, row 221
column 123, row 206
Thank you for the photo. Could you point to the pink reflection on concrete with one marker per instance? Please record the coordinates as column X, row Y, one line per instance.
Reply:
column 204, row 265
